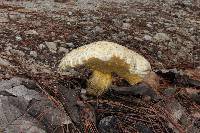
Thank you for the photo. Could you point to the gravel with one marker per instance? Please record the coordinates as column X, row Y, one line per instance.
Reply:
column 52, row 46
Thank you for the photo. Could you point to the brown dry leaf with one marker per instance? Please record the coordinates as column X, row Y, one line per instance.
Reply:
column 196, row 115
column 193, row 73
column 153, row 80
column 192, row 91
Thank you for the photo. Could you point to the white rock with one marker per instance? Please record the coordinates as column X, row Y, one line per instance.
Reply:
column 63, row 50
column 18, row 38
column 83, row 91
column 52, row 46
column 8, row 48
column 138, row 39
column 18, row 52
column 42, row 46
column 149, row 25
column 3, row 20
column 4, row 62
column 33, row 54
column 70, row 13
column 99, row 29
column 31, row 32
column 71, row 45
column 126, row 26
column 161, row 37
column 147, row 38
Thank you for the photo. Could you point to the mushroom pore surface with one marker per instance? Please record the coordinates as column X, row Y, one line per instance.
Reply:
column 116, row 65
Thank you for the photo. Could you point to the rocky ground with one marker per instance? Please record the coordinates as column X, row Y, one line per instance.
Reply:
column 35, row 35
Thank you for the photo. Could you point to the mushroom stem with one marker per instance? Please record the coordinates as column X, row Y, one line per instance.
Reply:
column 99, row 82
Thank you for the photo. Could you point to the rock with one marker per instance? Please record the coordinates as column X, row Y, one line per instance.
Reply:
column 33, row 54
column 149, row 25
column 18, row 52
column 69, row 13
column 37, row 23
column 52, row 46
column 108, row 125
column 173, row 46
column 83, row 91
column 126, row 26
column 147, row 38
column 159, row 54
column 8, row 48
column 3, row 20
column 42, row 46
column 21, row 101
column 4, row 62
column 18, row 38
column 142, row 128
column 17, row 16
column 98, row 29
column 63, row 50
column 31, row 32
column 160, row 37
column 169, row 91
column 138, row 39
column 70, row 45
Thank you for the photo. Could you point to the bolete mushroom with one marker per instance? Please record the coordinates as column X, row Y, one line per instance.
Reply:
column 104, row 58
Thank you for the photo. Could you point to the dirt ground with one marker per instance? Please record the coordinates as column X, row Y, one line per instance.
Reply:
column 36, row 34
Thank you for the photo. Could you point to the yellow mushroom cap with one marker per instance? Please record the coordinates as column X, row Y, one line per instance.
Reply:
column 107, row 57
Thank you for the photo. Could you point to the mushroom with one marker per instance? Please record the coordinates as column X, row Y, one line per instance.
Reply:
column 104, row 58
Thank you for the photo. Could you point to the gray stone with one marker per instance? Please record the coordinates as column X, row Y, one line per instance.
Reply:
column 8, row 48
column 63, row 50
column 160, row 37
column 4, row 62
column 18, row 38
column 83, row 91
column 147, row 38
column 149, row 25
column 169, row 91
column 3, row 20
column 18, row 52
column 31, row 32
column 70, row 13
column 159, row 54
column 98, row 29
column 126, row 26
column 172, row 45
column 16, row 15
column 15, row 98
column 71, row 45
column 33, row 54
column 138, row 39
column 52, row 46
column 42, row 46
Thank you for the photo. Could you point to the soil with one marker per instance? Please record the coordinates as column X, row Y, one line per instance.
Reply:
column 36, row 34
